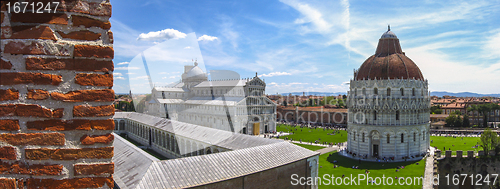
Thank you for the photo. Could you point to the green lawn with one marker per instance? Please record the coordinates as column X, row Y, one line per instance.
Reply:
column 454, row 144
column 310, row 147
column 311, row 135
column 376, row 170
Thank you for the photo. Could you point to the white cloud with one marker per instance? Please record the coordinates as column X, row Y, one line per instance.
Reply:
column 127, row 68
column 207, row 38
column 492, row 46
column 275, row 74
column 161, row 35
column 172, row 77
column 122, row 63
column 117, row 74
column 120, row 78
column 188, row 47
column 145, row 77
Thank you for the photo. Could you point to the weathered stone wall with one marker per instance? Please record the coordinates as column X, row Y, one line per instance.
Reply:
column 279, row 177
column 55, row 95
column 478, row 167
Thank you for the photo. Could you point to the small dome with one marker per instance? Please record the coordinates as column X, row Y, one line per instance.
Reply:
column 389, row 34
column 195, row 72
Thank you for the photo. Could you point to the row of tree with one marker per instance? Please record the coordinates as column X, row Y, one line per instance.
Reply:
column 484, row 109
column 125, row 106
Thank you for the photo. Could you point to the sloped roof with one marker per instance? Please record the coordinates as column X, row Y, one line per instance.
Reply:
column 229, row 101
column 205, row 169
column 135, row 168
column 131, row 163
column 216, row 137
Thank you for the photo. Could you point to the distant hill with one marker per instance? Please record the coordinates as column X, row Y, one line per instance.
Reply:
column 433, row 93
column 462, row 94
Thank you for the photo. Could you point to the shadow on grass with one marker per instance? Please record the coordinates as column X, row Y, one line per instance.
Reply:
column 348, row 163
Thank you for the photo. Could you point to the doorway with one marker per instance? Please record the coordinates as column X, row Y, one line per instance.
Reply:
column 375, row 150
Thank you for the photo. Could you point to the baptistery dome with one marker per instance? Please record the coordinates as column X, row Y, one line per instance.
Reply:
column 389, row 62
column 388, row 106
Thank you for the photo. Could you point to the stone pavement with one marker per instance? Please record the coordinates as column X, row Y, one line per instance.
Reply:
column 429, row 170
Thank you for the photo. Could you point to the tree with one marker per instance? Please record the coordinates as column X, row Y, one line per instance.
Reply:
column 474, row 109
column 436, row 110
column 489, row 141
column 465, row 121
column 454, row 119
column 340, row 103
column 285, row 103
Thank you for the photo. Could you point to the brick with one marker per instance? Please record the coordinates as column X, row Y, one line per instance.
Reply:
column 69, row 154
column 25, row 110
column 14, row 78
column 100, row 9
column 68, row 64
column 81, row 35
column 9, row 125
column 5, row 64
column 48, row 18
column 91, row 182
column 58, row 113
column 89, row 22
column 37, row 94
column 5, row 182
column 93, row 111
column 104, row 95
column 94, row 79
column 93, row 51
column 33, row 169
column 95, row 169
column 36, row 48
column 9, row 94
column 39, row 139
column 7, row 109
column 93, row 65
column 8, row 153
column 110, row 36
column 32, row 110
column 92, row 139
column 30, row 32
column 68, row 125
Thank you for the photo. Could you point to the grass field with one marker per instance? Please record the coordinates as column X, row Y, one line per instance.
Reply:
column 310, row 147
column 454, row 144
column 311, row 135
column 376, row 170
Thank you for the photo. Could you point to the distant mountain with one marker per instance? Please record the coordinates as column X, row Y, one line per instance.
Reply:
column 433, row 93
column 462, row 94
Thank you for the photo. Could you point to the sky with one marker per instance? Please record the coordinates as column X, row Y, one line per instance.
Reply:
column 304, row 46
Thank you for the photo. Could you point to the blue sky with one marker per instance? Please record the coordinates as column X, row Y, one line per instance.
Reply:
column 300, row 45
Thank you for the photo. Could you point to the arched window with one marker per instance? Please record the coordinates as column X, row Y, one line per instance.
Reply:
column 374, row 115
column 388, row 139
column 413, row 91
column 354, row 135
column 397, row 115
column 375, row 91
column 414, row 137
column 388, row 91
column 364, row 91
column 355, row 92
column 402, row 92
column 402, row 137
column 423, row 135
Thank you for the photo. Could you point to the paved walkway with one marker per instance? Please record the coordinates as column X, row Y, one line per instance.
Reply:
column 327, row 150
column 429, row 170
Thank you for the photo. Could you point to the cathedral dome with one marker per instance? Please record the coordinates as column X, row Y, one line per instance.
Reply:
column 389, row 62
column 194, row 73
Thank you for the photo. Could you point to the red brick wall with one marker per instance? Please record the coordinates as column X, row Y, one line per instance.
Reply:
column 56, row 97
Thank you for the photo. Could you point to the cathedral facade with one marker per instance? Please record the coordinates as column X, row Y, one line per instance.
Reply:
column 236, row 105
column 388, row 105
